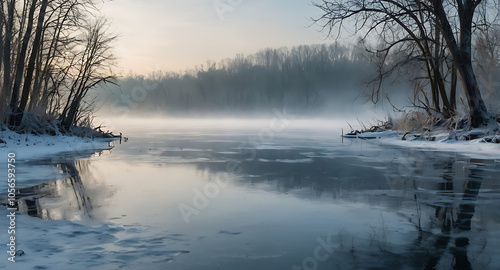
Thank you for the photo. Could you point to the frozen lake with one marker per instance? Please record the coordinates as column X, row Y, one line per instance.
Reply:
column 263, row 196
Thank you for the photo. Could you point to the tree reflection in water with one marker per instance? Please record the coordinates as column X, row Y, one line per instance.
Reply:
column 444, row 187
column 63, row 199
column 461, row 222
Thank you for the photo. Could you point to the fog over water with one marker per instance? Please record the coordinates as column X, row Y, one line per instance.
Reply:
column 308, row 81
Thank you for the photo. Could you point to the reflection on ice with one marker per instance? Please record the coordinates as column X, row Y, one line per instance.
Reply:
column 386, row 208
column 64, row 199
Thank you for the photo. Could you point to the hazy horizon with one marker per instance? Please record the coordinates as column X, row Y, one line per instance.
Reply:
column 175, row 36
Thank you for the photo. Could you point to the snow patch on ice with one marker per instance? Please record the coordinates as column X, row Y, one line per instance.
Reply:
column 61, row 244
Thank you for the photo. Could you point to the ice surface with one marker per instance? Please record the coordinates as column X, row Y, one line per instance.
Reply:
column 368, row 195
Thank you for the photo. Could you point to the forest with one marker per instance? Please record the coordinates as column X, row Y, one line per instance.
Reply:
column 325, row 80
column 305, row 80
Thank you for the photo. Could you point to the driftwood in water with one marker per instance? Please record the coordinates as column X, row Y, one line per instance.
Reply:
column 381, row 126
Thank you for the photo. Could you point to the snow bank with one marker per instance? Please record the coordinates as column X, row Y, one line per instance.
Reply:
column 441, row 142
column 28, row 147
column 61, row 244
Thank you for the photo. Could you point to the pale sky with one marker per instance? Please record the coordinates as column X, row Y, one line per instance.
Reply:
column 174, row 35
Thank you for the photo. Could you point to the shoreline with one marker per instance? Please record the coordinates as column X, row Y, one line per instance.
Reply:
column 31, row 147
column 446, row 142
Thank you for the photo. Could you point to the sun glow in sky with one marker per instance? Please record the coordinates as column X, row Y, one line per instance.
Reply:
column 173, row 35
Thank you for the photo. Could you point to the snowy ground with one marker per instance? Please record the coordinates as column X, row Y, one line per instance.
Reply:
column 32, row 231
column 443, row 142
column 28, row 147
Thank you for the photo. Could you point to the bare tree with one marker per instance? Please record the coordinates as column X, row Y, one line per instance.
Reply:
column 33, row 56
column 418, row 25
column 8, row 19
column 51, row 50
column 3, row 93
column 15, row 109
column 93, row 68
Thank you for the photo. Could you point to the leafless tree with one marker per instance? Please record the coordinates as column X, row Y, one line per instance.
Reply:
column 418, row 26
column 52, row 53
column 8, row 24
column 34, row 54
column 93, row 67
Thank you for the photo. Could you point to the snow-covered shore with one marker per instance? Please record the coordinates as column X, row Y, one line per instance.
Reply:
column 445, row 142
column 28, row 147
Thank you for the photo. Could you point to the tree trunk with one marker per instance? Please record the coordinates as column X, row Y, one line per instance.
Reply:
column 2, row 23
column 437, row 77
column 15, row 118
column 453, row 88
column 70, row 117
column 37, row 84
column 34, row 52
column 9, row 25
column 3, row 94
column 462, row 58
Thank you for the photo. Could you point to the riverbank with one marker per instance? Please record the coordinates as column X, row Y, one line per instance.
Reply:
column 28, row 146
column 475, row 143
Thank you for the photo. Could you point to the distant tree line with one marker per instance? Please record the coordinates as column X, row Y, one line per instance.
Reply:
column 308, row 80
column 301, row 79
column 52, row 52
